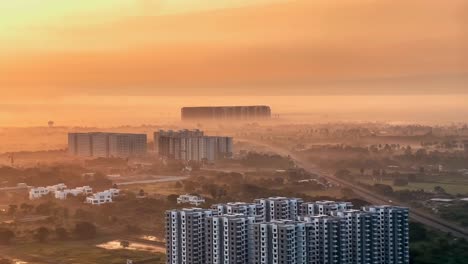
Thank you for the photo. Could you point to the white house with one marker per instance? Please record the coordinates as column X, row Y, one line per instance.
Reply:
column 103, row 197
column 62, row 195
column 190, row 199
column 35, row 193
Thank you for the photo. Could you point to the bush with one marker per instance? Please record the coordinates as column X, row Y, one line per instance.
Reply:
column 85, row 230
column 61, row 233
column 400, row 182
column 42, row 233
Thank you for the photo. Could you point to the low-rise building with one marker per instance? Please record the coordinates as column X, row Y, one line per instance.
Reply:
column 62, row 195
column 38, row 192
column 103, row 197
column 190, row 199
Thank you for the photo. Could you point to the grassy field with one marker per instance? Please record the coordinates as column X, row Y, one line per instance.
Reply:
column 449, row 186
column 75, row 252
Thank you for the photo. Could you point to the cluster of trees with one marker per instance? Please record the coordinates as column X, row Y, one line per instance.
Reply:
column 81, row 231
column 264, row 160
column 48, row 208
column 457, row 212
column 430, row 247
column 42, row 176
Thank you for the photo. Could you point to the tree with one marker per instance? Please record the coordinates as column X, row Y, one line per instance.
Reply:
column 400, row 182
column 61, row 233
column 418, row 232
column 26, row 207
column 85, row 230
column 42, row 234
column 6, row 235
column 172, row 198
column 124, row 243
column 343, row 173
column 408, row 151
column 439, row 190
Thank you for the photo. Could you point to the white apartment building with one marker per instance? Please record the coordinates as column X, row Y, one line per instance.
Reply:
column 279, row 242
column 62, row 195
column 191, row 199
column 248, row 209
column 280, row 208
column 231, row 233
column 192, row 145
column 362, row 230
column 324, row 207
column 103, row 144
column 392, row 225
column 185, row 236
column 38, row 192
column 227, row 239
column 103, row 197
column 327, row 239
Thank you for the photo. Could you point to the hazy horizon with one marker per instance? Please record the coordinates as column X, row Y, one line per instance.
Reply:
column 104, row 111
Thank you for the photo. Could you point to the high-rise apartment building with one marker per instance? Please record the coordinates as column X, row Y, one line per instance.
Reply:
column 323, row 207
column 80, row 144
column 192, row 145
column 248, row 209
column 239, row 233
column 186, row 236
column 127, row 145
column 219, row 113
column 100, row 144
column 227, row 239
column 278, row 242
column 392, row 234
column 280, row 208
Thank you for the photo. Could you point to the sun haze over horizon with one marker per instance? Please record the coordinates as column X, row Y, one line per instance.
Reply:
column 55, row 54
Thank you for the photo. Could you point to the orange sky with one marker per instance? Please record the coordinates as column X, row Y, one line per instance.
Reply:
column 111, row 62
column 188, row 47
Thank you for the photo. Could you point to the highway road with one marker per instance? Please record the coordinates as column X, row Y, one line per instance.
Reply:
column 372, row 197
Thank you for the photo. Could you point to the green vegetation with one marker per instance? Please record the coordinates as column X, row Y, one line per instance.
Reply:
column 430, row 247
column 456, row 212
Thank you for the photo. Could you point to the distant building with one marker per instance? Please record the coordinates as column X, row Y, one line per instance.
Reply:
column 256, row 112
column 102, row 197
column 100, row 144
column 190, row 199
column 63, row 194
column 192, row 145
column 38, row 192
